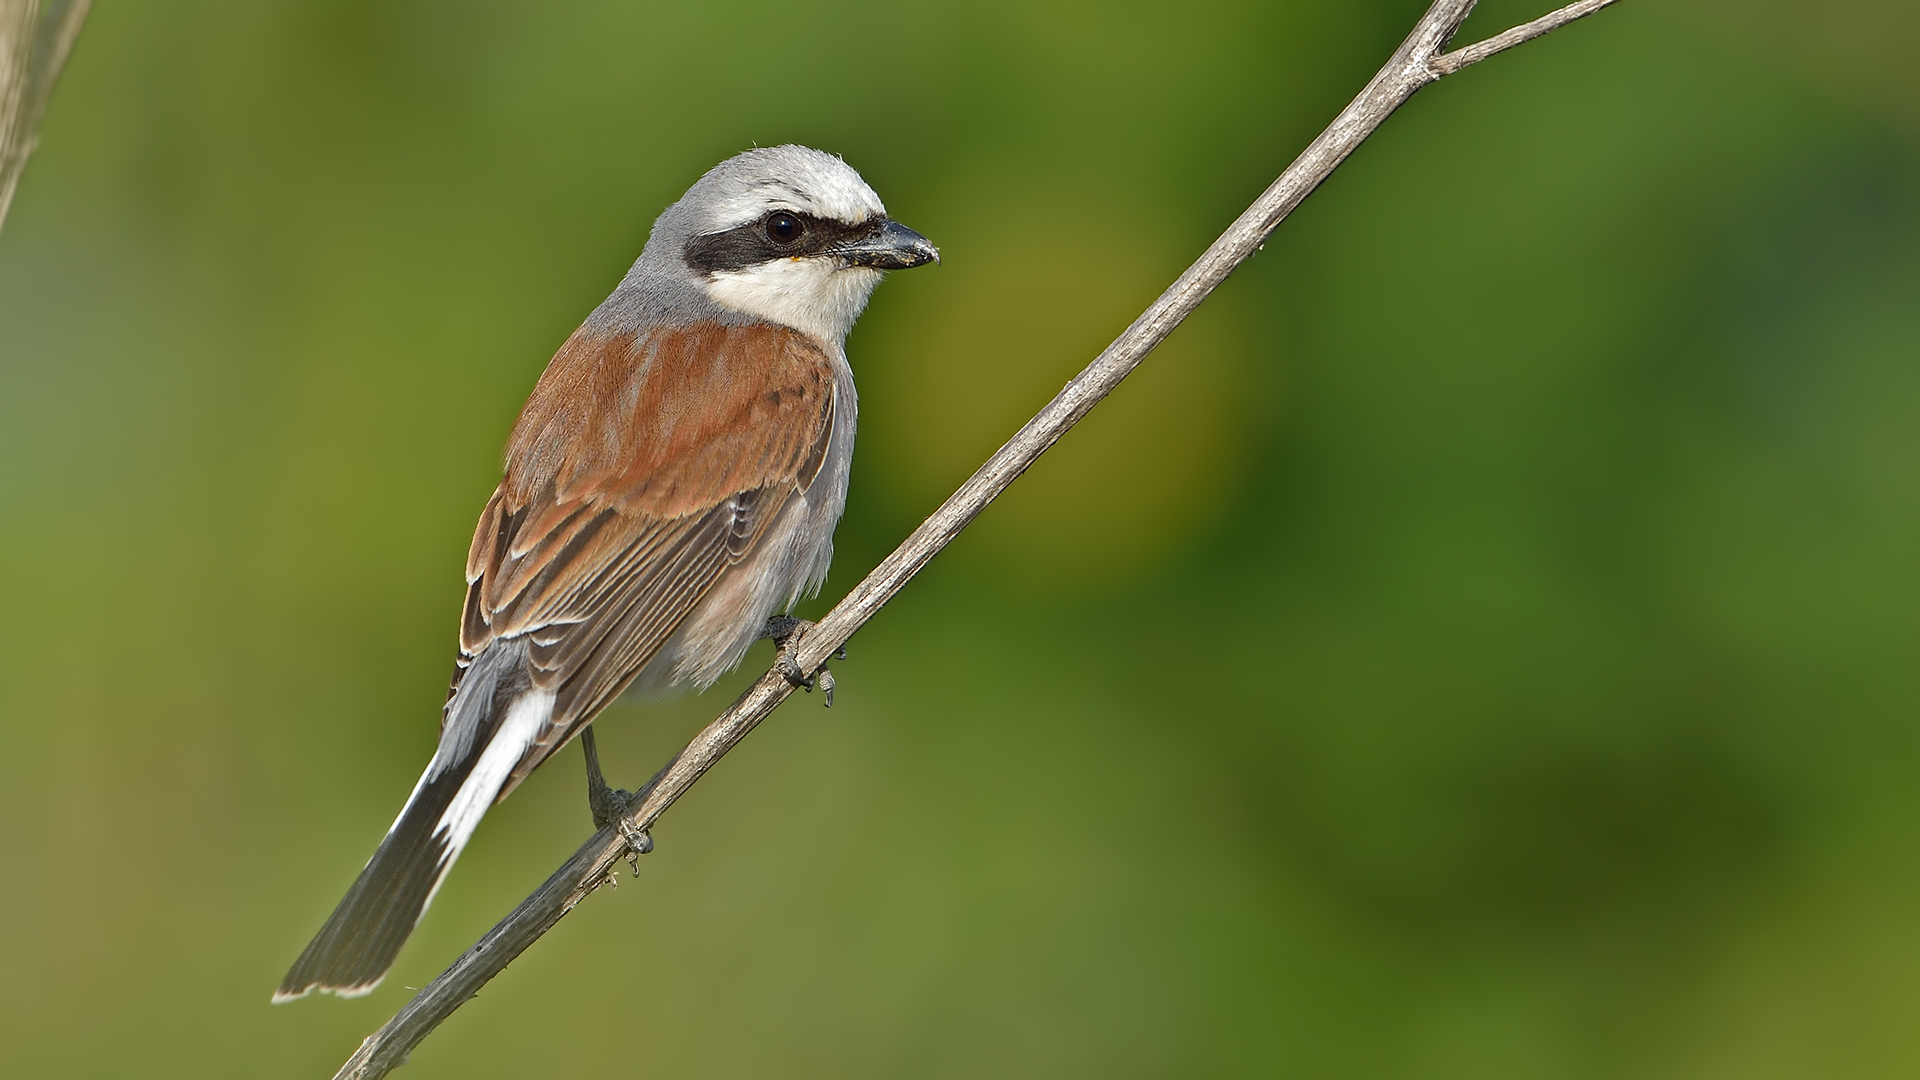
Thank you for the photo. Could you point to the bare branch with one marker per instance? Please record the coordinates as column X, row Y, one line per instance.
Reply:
column 1519, row 35
column 35, row 38
column 1412, row 67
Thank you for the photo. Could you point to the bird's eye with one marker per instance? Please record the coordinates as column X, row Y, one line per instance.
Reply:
column 784, row 228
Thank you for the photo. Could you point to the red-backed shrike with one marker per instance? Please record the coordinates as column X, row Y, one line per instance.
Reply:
column 673, row 481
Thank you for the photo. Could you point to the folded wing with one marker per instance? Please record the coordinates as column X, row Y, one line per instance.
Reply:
column 641, row 470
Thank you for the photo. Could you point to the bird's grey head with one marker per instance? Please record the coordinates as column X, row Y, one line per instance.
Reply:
column 784, row 234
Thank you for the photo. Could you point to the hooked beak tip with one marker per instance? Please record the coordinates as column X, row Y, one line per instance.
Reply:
column 894, row 247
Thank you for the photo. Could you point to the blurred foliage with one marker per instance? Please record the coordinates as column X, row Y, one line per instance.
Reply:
column 1480, row 644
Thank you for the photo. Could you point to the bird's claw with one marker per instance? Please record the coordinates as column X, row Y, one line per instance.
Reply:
column 613, row 806
column 784, row 629
column 639, row 842
column 792, row 670
column 823, row 678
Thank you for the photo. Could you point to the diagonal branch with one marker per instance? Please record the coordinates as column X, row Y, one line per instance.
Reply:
column 1418, row 61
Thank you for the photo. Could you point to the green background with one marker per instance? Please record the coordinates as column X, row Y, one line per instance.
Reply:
column 1482, row 643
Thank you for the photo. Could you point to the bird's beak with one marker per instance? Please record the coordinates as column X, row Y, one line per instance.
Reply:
column 892, row 247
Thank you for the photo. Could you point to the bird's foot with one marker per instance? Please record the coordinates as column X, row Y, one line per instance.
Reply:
column 784, row 630
column 781, row 628
column 612, row 806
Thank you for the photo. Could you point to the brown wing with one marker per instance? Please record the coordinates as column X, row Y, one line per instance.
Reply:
column 639, row 471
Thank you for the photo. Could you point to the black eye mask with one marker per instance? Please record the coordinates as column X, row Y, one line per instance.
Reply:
column 763, row 240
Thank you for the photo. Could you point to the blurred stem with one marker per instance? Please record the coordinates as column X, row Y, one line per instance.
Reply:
column 1418, row 62
column 35, row 38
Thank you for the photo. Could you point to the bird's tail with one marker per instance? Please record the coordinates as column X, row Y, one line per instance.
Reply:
column 491, row 721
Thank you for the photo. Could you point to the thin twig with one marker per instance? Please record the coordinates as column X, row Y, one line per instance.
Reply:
column 1411, row 68
column 1451, row 62
column 35, row 38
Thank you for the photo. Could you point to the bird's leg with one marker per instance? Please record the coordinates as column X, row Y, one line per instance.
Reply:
column 783, row 629
column 611, row 806
column 607, row 803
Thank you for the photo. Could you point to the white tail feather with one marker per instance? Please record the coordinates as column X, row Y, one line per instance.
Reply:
column 525, row 718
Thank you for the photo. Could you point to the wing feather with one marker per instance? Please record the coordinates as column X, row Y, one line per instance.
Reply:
column 640, row 471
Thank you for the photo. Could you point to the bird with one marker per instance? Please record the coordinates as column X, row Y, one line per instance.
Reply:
column 670, row 487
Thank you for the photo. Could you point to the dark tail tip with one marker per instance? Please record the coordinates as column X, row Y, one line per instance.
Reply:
column 352, row 952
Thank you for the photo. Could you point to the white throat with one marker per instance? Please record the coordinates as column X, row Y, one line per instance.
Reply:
column 816, row 295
